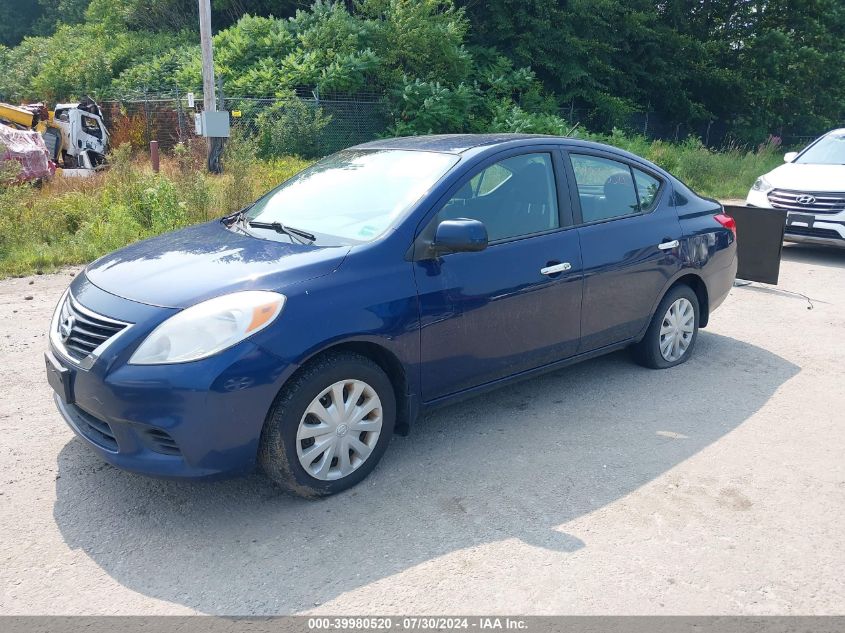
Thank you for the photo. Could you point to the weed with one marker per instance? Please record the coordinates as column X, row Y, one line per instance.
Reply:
column 76, row 220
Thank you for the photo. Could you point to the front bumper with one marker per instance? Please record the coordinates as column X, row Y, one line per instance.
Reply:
column 195, row 420
column 207, row 425
column 814, row 236
column 808, row 228
column 133, row 447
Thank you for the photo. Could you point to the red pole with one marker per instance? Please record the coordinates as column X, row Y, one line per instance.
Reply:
column 154, row 155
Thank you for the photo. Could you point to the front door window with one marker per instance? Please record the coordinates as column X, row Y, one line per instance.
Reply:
column 513, row 197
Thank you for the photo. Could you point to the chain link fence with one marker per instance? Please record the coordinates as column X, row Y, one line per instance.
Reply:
column 309, row 124
column 304, row 124
column 715, row 134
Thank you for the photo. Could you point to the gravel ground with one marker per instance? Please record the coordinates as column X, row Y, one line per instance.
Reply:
column 715, row 487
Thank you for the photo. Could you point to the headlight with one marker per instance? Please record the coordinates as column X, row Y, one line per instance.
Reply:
column 209, row 327
column 761, row 184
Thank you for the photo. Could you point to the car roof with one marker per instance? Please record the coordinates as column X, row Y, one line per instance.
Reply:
column 460, row 143
column 452, row 143
column 463, row 143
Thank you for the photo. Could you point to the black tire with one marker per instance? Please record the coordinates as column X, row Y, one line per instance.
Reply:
column 647, row 351
column 277, row 449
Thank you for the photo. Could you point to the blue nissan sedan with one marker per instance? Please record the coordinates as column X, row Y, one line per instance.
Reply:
column 302, row 332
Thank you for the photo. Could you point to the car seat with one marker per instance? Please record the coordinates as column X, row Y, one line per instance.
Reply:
column 619, row 196
column 522, row 206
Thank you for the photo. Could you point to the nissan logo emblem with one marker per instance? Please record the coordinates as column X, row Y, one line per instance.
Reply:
column 66, row 327
column 805, row 199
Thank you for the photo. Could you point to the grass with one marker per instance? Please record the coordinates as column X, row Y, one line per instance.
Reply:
column 76, row 220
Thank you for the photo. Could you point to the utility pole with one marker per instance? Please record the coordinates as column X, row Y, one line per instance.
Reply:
column 209, row 103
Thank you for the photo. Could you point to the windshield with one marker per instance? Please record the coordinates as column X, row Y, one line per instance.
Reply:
column 354, row 195
column 829, row 150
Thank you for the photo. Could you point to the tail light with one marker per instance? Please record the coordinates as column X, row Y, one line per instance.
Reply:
column 727, row 221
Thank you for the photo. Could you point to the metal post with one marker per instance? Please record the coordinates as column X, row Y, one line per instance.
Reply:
column 154, row 161
column 179, row 114
column 215, row 145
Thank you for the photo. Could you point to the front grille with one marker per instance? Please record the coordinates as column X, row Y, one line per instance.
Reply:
column 82, row 331
column 824, row 202
column 161, row 442
column 93, row 428
column 813, row 232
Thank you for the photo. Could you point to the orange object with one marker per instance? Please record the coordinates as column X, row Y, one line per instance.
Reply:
column 262, row 314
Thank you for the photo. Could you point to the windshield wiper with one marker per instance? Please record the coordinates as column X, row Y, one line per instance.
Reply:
column 237, row 216
column 278, row 227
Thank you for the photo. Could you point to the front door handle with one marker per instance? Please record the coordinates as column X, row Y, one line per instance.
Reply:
column 665, row 246
column 557, row 268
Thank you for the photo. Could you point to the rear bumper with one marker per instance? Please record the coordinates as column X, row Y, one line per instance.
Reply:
column 719, row 283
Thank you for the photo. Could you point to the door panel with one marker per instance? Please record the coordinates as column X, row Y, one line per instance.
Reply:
column 624, row 273
column 491, row 314
column 624, row 215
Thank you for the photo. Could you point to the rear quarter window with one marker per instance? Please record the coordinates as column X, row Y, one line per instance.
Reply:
column 647, row 189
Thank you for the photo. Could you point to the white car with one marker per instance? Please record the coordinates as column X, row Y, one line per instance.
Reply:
column 811, row 188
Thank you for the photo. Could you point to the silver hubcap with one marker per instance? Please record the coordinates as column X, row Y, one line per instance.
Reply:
column 676, row 330
column 339, row 430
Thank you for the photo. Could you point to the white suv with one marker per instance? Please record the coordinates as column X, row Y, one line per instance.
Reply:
column 811, row 188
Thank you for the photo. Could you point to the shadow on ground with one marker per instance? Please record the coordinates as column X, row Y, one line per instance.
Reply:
column 518, row 463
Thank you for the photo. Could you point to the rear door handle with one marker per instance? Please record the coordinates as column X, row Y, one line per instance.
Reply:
column 557, row 268
column 665, row 246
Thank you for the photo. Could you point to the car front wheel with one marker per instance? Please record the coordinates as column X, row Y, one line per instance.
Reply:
column 329, row 426
column 673, row 330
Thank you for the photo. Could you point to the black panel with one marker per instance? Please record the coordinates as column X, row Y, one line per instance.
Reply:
column 759, row 242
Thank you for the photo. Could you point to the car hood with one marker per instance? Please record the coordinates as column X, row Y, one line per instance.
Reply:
column 179, row 269
column 804, row 177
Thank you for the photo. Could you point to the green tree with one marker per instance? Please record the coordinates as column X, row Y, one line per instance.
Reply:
column 75, row 60
column 17, row 20
column 747, row 63
column 766, row 66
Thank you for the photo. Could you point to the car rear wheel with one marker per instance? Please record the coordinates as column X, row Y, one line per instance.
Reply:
column 329, row 426
column 673, row 330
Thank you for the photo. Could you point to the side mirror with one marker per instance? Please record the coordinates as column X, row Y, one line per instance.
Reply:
column 459, row 236
column 790, row 156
